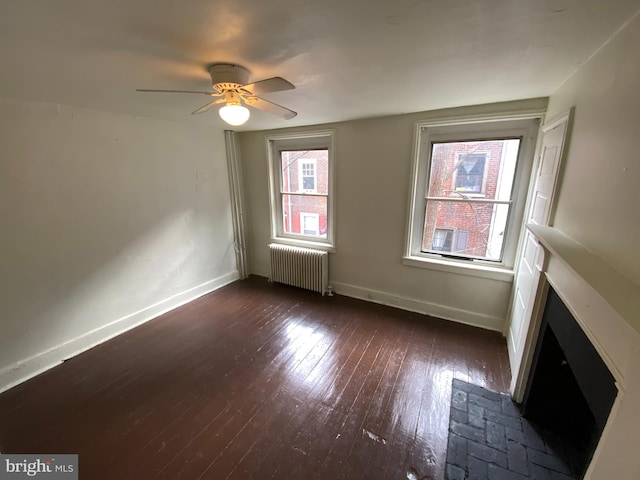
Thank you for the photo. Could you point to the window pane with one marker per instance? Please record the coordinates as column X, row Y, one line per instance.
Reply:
column 308, row 182
column 305, row 171
column 305, row 215
column 462, row 236
column 479, row 169
column 308, row 175
column 442, row 240
column 310, row 223
column 473, row 230
column 470, row 173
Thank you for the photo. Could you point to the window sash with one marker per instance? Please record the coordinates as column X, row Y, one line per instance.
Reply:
column 479, row 128
column 494, row 245
column 470, row 200
column 302, row 141
column 304, row 194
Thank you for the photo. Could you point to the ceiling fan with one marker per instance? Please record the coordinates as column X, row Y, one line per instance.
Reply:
column 231, row 89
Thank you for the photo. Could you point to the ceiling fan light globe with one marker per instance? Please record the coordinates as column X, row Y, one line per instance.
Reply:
column 235, row 115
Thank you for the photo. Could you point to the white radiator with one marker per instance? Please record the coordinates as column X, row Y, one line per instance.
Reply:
column 300, row 267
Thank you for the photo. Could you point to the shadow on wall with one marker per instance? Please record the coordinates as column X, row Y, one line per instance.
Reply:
column 66, row 302
column 105, row 215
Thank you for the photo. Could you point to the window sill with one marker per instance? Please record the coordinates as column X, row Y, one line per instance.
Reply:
column 502, row 274
column 327, row 247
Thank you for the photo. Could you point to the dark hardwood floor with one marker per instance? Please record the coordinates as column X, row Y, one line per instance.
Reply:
column 258, row 381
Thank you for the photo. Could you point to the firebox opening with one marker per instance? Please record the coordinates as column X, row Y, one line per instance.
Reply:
column 570, row 390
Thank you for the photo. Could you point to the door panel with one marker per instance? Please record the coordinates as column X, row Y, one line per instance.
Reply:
column 528, row 282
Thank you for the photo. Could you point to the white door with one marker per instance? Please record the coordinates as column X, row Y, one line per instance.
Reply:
column 553, row 138
column 525, row 315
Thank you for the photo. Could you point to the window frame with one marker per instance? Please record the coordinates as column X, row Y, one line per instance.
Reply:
column 525, row 127
column 312, row 140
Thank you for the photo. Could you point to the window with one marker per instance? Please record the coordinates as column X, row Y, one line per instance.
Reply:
column 310, row 224
column 301, row 169
column 308, row 174
column 469, row 190
column 442, row 240
column 470, row 172
column 461, row 240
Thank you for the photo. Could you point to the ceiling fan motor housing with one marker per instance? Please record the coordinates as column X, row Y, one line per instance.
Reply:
column 226, row 76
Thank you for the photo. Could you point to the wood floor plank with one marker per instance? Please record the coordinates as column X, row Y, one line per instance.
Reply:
column 258, row 381
column 306, row 411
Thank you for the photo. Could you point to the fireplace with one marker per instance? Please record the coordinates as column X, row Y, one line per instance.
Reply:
column 570, row 390
column 600, row 308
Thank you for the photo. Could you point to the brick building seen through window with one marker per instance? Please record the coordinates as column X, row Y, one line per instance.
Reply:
column 469, row 197
column 305, row 188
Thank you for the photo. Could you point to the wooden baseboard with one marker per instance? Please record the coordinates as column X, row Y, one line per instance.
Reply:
column 414, row 305
column 27, row 368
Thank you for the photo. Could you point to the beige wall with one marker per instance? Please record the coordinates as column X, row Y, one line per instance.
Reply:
column 598, row 202
column 373, row 176
column 107, row 220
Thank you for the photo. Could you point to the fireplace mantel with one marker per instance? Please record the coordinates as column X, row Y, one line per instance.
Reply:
column 607, row 307
column 617, row 290
column 604, row 302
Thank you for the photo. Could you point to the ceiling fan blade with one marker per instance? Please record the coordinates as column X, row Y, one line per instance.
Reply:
column 274, row 84
column 208, row 106
column 267, row 106
column 213, row 94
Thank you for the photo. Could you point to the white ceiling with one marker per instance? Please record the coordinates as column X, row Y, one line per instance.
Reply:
column 348, row 58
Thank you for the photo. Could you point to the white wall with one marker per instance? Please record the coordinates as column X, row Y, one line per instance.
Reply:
column 107, row 220
column 373, row 177
column 598, row 202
